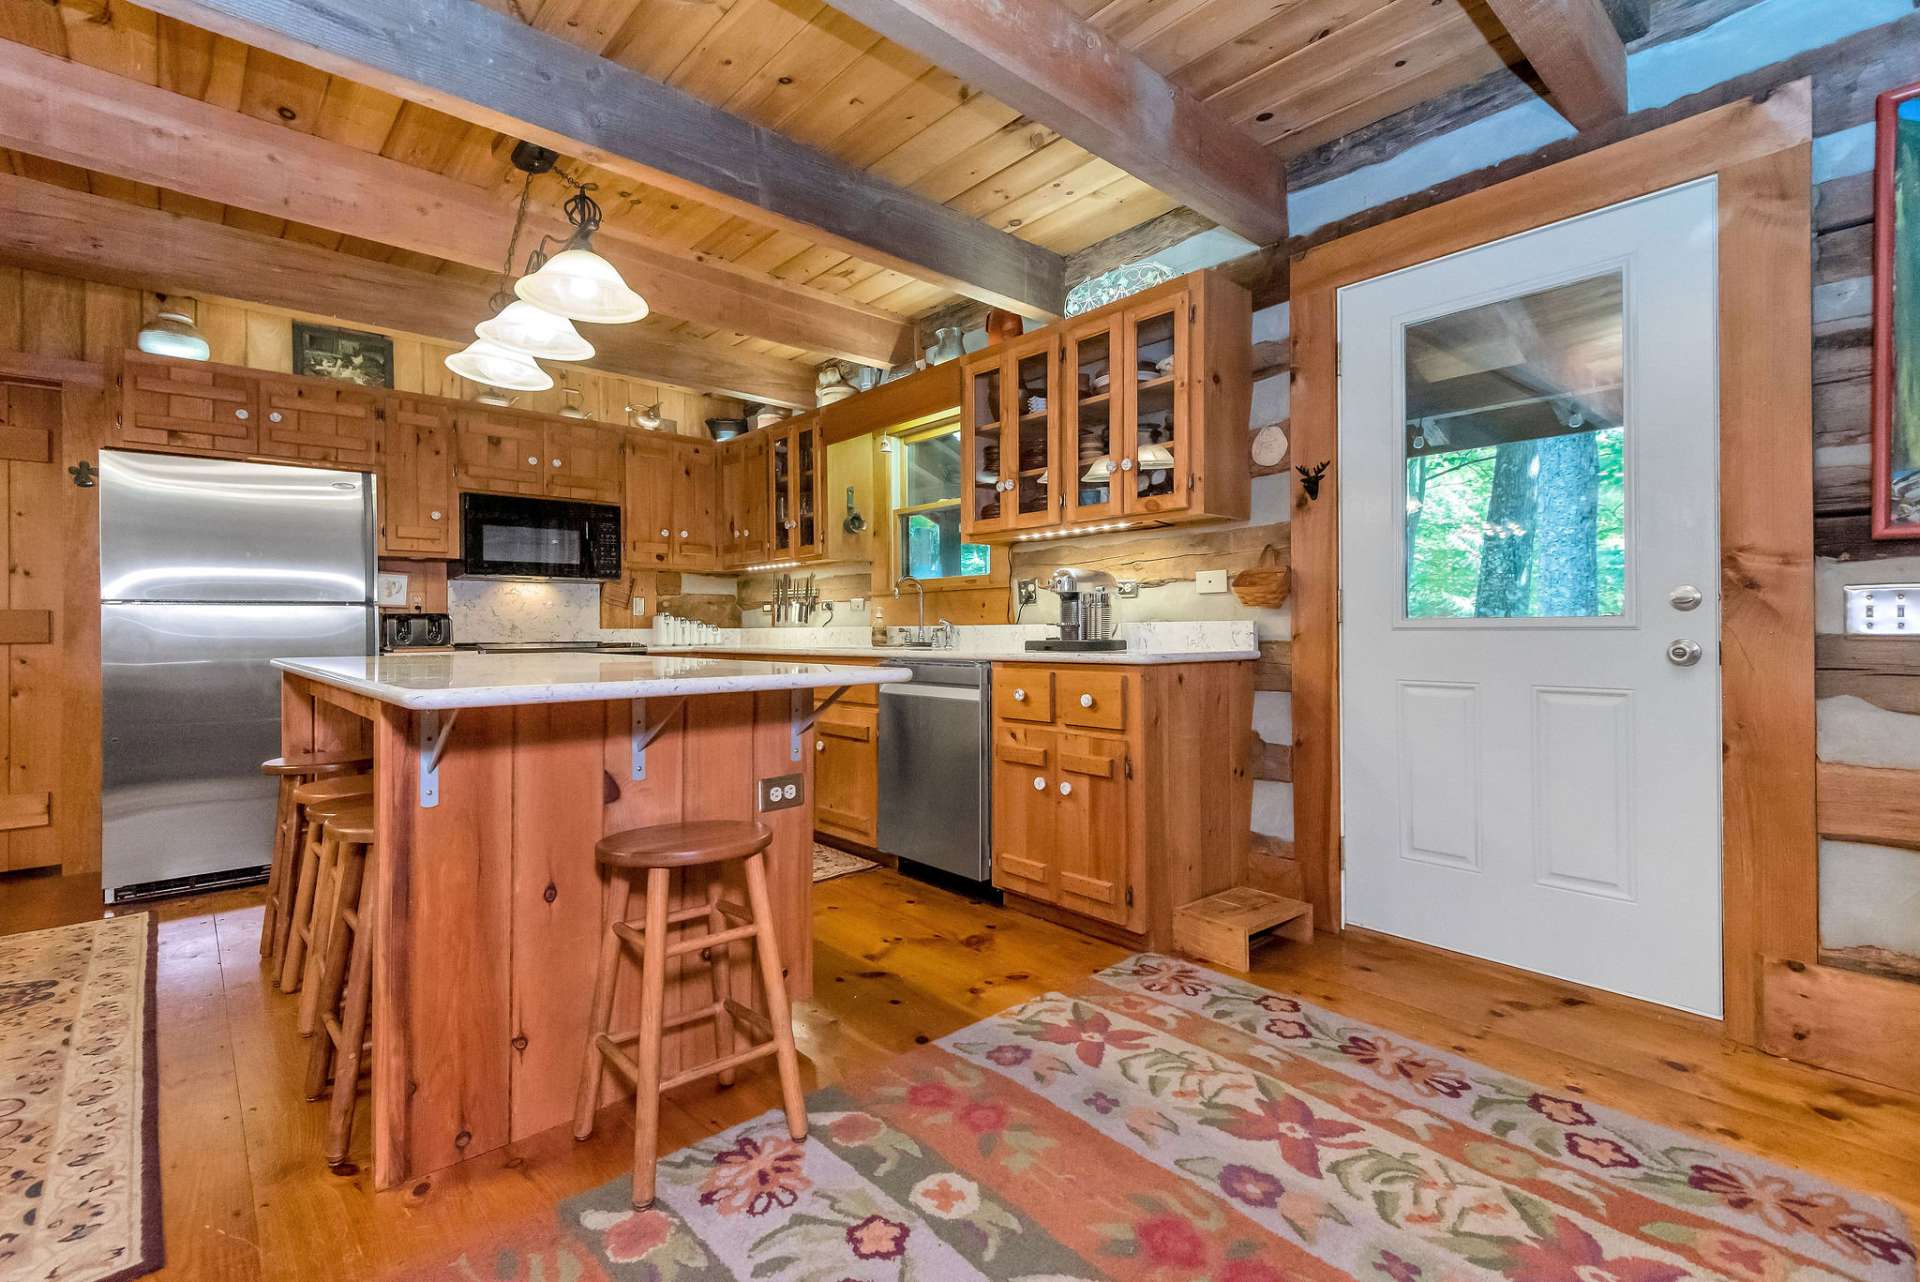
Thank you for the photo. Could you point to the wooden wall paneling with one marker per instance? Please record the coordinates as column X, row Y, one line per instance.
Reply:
column 1862, row 803
column 1884, row 673
column 790, row 859
column 1865, row 1025
column 426, row 584
column 558, row 775
column 36, row 672
column 1761, row 151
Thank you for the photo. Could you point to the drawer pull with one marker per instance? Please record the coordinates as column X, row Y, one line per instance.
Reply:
column 240, row 414
column 1086, row 701
column 1019, row 695
column 274, row 417
column 1039, row 784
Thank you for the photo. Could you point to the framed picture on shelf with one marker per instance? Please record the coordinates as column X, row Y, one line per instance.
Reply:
column 321, row 351
column 1896, row 318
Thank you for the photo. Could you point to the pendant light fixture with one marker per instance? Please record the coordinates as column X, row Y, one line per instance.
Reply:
column 541, row 334
column 576, row 282
column 485, row 361
column 172, row 333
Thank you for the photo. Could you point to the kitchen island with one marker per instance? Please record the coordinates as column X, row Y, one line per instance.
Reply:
column 494, row 777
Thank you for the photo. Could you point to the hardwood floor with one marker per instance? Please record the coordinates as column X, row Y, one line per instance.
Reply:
column 898, row 963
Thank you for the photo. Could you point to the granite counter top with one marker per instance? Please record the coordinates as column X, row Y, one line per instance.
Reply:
column 1128, row 658
column 424, row 682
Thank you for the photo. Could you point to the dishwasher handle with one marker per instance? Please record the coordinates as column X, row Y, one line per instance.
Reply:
column 962, row 694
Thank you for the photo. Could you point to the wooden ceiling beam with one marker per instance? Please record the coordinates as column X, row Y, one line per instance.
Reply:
column 1575, row 48
column 71, row 233
column 83, row 116
column 1038, row 56
column 482, row 66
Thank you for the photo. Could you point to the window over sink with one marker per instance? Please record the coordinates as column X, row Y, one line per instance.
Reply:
column 928, row 472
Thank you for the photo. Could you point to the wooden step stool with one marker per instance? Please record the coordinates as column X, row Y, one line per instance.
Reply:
column 1225, row 928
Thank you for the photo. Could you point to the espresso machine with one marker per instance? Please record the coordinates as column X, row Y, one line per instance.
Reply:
column 1086, row 611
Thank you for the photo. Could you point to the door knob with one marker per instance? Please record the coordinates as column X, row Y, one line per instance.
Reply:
column 1685, row 597
column 1039, row 784
column 1683, row 653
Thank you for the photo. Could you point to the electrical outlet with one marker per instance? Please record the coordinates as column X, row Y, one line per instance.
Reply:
column 782, row 791
column 1207, row 582
column 1029, row 591
column 857, row 603
column 393, row 589
column 1129, row 588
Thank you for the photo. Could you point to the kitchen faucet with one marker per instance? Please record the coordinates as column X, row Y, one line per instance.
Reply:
column 920, row 631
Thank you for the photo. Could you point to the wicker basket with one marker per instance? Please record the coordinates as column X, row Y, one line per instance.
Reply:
column 1264, row 586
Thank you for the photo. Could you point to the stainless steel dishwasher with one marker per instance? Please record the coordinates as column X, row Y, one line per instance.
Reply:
column 935, row 790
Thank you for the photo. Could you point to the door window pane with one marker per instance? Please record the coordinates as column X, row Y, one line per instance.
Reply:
column 1515, row 448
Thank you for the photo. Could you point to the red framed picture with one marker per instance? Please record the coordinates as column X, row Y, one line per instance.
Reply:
column 1896, row 318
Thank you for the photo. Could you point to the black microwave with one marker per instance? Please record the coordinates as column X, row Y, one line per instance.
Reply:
column 509, row 537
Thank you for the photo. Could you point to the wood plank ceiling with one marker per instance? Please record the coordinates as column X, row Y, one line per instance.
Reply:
column 1295, row 73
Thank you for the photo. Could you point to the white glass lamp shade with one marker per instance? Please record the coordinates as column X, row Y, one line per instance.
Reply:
column 582, row 286
column 541, row 334
column 1100, row 469
column 1155, row 458
column 484, row 361
column 173, row 333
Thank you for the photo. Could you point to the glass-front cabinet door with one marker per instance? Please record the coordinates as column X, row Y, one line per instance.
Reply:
column 807, row 465
column 1157, row 461
column 1030, row 479
column 1091, row 444
column 982, row 494
column 780, row 495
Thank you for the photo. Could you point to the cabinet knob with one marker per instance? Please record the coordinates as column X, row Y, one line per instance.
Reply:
column 1020, row 696
column 666, row 534
column 1066, row 789
column 1126, row 465
column 789, row 525
column 533, row 460
column 274, row 417
column 683, row 534
column 1039, row 784
column 433, row 516
column 1086, row 701
column 556, row 462
column 241, row 414
column 819, row 745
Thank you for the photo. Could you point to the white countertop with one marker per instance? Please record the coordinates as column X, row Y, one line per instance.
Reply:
column 465, row 680
column 1131, row 658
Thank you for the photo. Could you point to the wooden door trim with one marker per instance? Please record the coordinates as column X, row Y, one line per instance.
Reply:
column 1761, row 151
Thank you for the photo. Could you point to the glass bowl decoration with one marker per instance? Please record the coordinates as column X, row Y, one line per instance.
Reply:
column 1110, row 287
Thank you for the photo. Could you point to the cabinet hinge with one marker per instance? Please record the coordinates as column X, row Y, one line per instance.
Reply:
column 1126, row 766
column 1129, row 896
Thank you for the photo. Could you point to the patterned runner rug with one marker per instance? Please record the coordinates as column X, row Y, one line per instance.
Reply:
column 79, row 1153
column 829, row 863
column 1168, row 1123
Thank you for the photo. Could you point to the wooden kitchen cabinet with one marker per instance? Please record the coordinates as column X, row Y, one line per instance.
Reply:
column 188, row 407
column 846, row 773
column 500, row 452
column 1132, row 415
column 324, row 423
column 796, row 482
column 648, row 517
column 695, row 523
column 584, row 462
column 744, row 496
column 419, row 507
column 1121, row 793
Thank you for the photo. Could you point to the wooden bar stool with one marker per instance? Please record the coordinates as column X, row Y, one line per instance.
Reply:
column 659, row 852
column 292, row 772
column 336, row 888
column 344, row 985
column 312, row 803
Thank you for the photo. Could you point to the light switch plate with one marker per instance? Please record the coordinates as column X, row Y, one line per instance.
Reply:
column 393, row 589
column 782, row 791
column 1207, row 582
column 1883, row 609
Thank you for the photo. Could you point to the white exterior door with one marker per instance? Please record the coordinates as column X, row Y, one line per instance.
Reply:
column 1529, row 555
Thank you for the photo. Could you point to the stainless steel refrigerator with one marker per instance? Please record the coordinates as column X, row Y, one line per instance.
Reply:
column 209, row 569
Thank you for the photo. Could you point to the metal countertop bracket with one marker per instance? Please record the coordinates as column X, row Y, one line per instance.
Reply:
column 802, row 722
column 436, row 728
column 644, row 737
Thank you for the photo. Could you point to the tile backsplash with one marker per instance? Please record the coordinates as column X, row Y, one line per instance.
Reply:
column 491, row 610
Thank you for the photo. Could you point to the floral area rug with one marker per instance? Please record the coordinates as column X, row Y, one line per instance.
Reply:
column 829, row 863
column 79, row 1157
column 1167, row 1123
